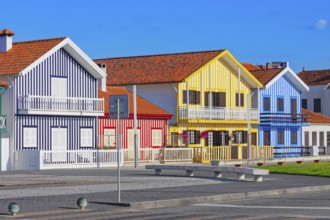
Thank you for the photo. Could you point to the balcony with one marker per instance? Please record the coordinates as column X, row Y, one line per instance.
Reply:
column 217, row 113
column 284, row 118
column 3, row 123
column 48, row 105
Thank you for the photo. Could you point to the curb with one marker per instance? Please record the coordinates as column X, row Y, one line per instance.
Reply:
column 224, row 197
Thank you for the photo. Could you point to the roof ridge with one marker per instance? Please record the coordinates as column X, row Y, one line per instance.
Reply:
column 267, row 69
column 31, row 41
column 165, row 54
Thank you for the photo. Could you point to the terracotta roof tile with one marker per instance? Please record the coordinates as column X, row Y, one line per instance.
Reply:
column 315, row 77
column 144, row 108
column 250, row 67
column 164, row 68
column 265, row 76
column 22, row 54
column 7, row 32
column 4, row 84
column 316, row 117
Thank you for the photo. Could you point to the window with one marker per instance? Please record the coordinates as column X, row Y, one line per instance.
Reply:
column 267, row 138
column 280, row 137
column 156, row 137
column 280, row 104
column 59, row 86
column 193, row 137
column 266, row 103
column 321, row 139
column 314, row 138
column 218, row 99
column 29, row 137
column 194, row 97
column 109, row 137
column 328, row 139
column 241, row 95
column 240, row 136
column 130, row 138
column 304, row 103
column 294, row 138
column 86, row 137
column 306, row 139
column 317, row 105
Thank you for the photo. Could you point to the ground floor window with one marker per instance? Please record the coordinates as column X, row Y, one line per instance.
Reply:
column 294, row 137
column 217, row 138
column 156, row 137
column 130, row 138
column 30, row 137
column 86, row 137
column 109, row 137
column 321, row 139
column 314, row 138
column 266, row 137
column 280, row 137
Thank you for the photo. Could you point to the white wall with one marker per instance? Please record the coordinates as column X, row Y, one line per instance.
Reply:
column 316, row 128
column 5, row 163
column 161, row 95
column 318, row 92
column 27, row 160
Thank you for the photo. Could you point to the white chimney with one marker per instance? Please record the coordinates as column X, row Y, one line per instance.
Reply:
column 6, row 40
column 103, row 82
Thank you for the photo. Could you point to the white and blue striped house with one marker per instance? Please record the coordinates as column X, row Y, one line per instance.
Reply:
column 281, row 118
column 52, row 101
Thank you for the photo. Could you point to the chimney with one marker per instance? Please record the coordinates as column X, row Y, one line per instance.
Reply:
column 6, row 41
column 103, row 82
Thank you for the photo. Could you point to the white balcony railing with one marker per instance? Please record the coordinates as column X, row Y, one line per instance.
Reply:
column 217, row 113
column 50, row 104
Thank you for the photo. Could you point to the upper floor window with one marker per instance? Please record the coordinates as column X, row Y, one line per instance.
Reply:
column 266, row 103
column 280, row 104
column 239, row 99
column 59, row 87
column 304, row 103
column 194, row 97
column 218, row 99
column 317, row 105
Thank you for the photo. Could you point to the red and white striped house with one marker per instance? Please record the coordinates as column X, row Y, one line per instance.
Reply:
column 152, row 123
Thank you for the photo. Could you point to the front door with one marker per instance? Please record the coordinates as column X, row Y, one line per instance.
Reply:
column 59, row 144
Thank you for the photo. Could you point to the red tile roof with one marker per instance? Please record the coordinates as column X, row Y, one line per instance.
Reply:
column 145, row 109
column 265, row 76
column 4, row 84
column 316, row 117
column 166, row 68
column 315, row 77
column 6, row 32
column 250, row 66
column 22, row 54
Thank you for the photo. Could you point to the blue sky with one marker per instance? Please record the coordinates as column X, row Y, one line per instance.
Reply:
column 255, row 31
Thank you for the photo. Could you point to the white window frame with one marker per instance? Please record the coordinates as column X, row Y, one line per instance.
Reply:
column 156, row 135
column 109, row 137
column 30, row 137
column 59, row 86
column 86, row 137
column 130, row 138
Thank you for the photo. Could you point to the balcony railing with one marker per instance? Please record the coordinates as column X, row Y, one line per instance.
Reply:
column 217, row 113
column 54, row 105
column 284, row 118
column 3, row 123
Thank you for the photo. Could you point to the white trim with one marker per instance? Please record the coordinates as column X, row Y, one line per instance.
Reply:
column 292, row 76
column 76, row 53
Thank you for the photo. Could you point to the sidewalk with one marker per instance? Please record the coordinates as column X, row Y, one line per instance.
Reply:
column 140, row 188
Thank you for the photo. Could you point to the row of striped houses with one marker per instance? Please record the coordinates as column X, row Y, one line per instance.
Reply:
column 56, row 99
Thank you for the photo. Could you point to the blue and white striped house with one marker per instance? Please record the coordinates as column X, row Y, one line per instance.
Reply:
column 281, row 119
column 52, row 102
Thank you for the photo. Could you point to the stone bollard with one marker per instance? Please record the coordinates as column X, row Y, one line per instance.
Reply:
column 82, row 203
column 13, row 208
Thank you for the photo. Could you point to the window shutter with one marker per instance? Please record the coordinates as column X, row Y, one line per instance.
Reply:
column 192, row 97
column 26, row 134
column 245, row 137
column 242, row 99
column 222, row 99
column 184, row 96
column 306, row 139
column 63, row 137
column 90, row 137
column 280, row 104
column 55, row 137
column 197, row 137
column 236, row 98
column 266, row 104
column 198, row 97
column 206, row 99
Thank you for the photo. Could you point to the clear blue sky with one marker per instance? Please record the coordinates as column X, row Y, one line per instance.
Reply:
column 254, row 31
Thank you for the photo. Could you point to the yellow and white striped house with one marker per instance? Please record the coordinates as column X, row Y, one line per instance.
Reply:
column 213, row 98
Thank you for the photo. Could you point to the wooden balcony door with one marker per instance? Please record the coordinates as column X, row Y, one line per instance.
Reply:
column 58, row 90
column 293, row 106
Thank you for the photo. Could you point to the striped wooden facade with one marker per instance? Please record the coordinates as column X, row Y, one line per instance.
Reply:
column 281, row 88
column 144, row 125
column 38, row 82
